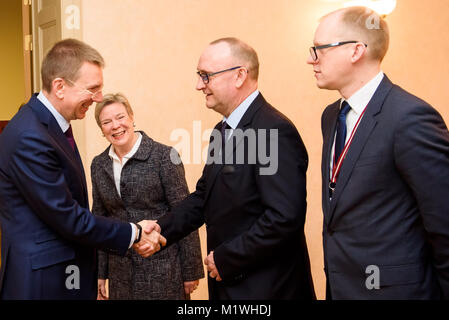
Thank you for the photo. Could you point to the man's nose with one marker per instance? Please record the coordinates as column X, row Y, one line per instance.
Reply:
column 200, row 85
column 98, row 97
column 310, row 60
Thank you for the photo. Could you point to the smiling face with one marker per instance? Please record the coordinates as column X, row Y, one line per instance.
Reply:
column 221, row 91
column 77, row 96
column 117, row 126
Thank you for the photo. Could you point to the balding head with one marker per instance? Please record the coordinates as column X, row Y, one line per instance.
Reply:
column 228, row 70
column 242, row 54
column 349, row 45
column 365, row 25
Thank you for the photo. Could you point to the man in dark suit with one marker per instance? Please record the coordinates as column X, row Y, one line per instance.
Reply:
column 254, row 207
column 385, row 170
column 48, row 233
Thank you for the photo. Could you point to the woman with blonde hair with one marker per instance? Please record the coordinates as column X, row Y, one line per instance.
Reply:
column 132, row 180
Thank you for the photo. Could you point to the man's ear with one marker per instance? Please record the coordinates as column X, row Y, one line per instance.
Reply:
column 359, row 52
column 242, row 74
column 58, row 86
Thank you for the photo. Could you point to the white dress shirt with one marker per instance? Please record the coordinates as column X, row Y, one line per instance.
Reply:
column 118, row 165
column 237, row 115
column 63, row 123
column 358, row 101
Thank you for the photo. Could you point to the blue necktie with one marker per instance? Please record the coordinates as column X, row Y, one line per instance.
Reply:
column 341, row 129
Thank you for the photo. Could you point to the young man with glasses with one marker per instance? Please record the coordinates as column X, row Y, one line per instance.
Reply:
column 255, row 222
column 385, row 169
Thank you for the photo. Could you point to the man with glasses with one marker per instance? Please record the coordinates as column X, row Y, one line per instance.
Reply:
column 255, row 222
column 48, row 233
column 385, row 170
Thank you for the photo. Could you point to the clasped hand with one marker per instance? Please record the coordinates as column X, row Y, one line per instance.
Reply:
column 151, row 240
column 211, row 267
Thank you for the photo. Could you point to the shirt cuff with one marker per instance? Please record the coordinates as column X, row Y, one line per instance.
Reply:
column 133, row 234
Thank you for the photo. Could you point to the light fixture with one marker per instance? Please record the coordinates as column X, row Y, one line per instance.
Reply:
column 382, row 7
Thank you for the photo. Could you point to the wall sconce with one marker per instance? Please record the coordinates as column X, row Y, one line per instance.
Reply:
column 382, row 7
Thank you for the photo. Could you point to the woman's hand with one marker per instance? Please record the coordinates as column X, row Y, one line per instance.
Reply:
column 190, row 286
column 102, row 290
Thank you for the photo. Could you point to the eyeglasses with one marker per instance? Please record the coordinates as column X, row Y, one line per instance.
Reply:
column 313, row 50
column 206, row 76
column 84, row 90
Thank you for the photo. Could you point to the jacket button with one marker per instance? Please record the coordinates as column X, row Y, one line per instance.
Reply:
column 240, row 276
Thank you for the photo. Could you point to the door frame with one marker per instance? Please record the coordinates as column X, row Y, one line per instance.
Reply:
column 27, row 48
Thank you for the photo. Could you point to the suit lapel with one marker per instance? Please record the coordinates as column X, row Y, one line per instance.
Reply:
column 83, row 175
column 329, row 127
column 72, row 156
column 107, row 173
column 244, row 123
column 366, row 126
column 107, row 165
column 45, row 116
column 212, row 169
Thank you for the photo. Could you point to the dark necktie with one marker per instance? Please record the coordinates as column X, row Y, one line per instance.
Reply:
column 224, row 126
column 341, row 129
column 69, row 135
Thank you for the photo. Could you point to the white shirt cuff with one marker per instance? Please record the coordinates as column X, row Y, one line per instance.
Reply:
column 133, row 234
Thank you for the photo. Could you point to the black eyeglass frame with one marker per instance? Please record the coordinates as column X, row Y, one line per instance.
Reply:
column 206, row 76
column 313, row 50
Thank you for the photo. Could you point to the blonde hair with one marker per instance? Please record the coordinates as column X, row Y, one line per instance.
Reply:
column 243, row 52
column 64, row 60
column 370, row 26
column 111, row 98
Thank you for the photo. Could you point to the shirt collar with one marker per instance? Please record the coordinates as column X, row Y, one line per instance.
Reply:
column 236, row 115
column 360, row 99
column 126, row 157
column 63, row 123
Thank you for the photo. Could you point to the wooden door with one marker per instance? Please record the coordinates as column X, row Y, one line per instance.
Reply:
column 46, row 32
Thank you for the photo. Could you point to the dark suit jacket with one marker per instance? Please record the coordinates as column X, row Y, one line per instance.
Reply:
column 45, row 221
column 255, row 223
column 151, row 184
column 390, row 207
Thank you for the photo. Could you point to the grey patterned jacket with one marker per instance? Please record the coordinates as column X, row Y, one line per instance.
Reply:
column 150, row 186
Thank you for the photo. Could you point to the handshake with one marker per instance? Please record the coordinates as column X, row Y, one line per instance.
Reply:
column 151, row 239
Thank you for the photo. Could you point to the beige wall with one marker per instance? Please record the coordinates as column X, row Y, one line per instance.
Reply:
column 151, row 48
column 12, row 82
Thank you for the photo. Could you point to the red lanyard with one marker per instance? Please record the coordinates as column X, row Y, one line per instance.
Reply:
column 337, row 164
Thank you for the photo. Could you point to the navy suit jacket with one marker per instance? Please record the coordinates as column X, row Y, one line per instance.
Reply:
column 45, row 222
column 390, row 207
column 255, row 223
